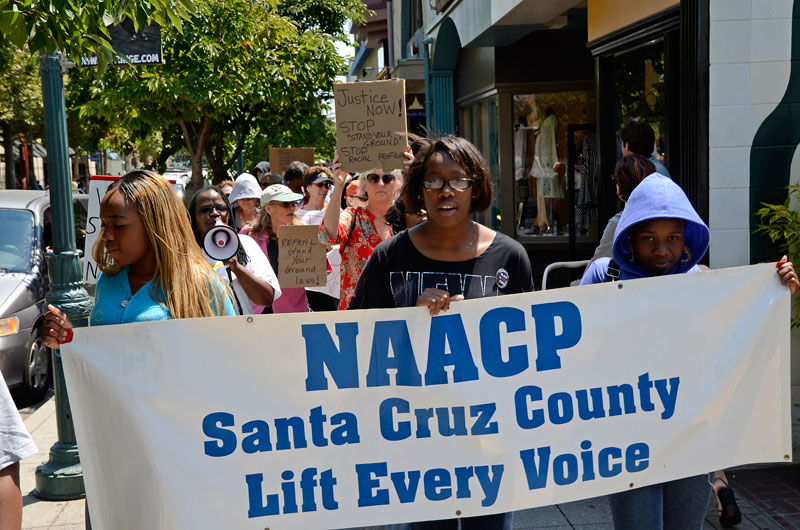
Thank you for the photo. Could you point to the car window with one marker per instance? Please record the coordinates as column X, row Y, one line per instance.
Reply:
column 16, row 240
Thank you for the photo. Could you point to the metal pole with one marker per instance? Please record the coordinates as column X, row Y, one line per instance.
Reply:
column 240, row 161
column 61, row 477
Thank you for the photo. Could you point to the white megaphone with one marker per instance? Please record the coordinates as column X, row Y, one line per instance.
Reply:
column 221, row 242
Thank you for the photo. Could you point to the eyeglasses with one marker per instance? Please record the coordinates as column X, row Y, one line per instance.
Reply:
column 206, row 210
column 284, row 204
column 460, row 183
column 374, row 178
column 323, row 184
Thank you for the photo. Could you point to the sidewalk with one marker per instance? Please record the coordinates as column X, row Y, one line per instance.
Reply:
column 768, row 496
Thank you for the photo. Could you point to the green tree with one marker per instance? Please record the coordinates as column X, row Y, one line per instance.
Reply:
column 237, row 67
column 20, row 99
column 78, row 27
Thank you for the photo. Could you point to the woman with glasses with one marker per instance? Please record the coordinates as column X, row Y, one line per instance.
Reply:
column 249, row 273
column 446, row 258
column 358, row 230
column 317, row 183
column 278, row 208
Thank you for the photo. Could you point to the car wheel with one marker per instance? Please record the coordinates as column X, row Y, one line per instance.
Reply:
column 38, row 369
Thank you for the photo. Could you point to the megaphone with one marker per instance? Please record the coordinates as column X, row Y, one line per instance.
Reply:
column 221, row 242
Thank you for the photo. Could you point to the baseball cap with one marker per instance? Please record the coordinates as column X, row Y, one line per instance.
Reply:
column 279, row 193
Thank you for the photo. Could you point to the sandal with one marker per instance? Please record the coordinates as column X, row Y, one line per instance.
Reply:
column 729, row 514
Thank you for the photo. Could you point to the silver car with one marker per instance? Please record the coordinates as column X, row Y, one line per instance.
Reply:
column 25, row 237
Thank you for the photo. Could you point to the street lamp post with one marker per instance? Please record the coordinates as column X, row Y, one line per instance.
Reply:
column 61, row 477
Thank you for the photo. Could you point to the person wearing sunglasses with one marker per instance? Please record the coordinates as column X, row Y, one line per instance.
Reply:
column 249, row 273
column 317, row 183
column 448, row 257
column 358, row 230
column 278, row 208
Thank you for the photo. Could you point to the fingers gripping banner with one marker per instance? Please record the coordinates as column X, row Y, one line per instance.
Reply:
column 331, row 420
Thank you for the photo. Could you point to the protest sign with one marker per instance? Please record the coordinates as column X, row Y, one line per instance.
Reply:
column 371, row 124
column 98, row 186
column 359, row 418
column 301, row 257
column 281, row 157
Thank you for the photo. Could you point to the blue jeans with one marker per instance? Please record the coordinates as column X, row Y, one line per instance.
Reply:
column 499, row 521
column 677, row 505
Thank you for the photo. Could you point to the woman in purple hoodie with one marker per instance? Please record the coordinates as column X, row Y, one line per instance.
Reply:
column 660, row 233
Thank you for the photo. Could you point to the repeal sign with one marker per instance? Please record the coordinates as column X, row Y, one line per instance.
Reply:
column 301, row 257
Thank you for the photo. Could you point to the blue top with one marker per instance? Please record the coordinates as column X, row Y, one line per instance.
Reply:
column 656, row 197
column 114, row 303
column 660, row 168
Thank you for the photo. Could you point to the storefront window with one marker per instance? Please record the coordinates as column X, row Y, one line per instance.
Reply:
column 544, row 126
column 639, row 79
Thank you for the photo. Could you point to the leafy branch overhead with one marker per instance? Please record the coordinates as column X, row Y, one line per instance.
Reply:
column 238, row 66
column 78, row 27
column 781, row 223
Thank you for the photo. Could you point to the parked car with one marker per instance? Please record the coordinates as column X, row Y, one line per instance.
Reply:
column 25, row 238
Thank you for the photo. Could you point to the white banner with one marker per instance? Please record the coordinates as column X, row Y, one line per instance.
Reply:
column 331, row 420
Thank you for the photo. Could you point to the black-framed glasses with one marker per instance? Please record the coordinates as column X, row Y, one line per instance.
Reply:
column 206, row 210
column 460, row 183
column 374, row 178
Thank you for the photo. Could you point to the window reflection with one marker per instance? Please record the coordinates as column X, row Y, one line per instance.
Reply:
column 543, row 124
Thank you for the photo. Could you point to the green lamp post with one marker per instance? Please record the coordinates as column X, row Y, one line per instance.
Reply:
column 61, row 477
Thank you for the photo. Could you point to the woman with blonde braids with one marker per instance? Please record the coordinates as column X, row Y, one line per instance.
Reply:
column 152, row 269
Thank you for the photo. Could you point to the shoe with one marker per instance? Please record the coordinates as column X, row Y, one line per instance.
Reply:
column 729, row 514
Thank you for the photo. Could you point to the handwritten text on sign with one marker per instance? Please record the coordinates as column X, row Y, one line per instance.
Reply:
column 301, row 257
column 371, row 124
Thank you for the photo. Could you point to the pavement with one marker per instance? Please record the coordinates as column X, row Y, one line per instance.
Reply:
column 768, row 495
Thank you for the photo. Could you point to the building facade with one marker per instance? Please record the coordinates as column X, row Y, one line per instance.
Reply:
column 543, row 86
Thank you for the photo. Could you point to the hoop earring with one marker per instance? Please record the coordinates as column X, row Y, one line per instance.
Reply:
column 688, row 255
column 631, row 257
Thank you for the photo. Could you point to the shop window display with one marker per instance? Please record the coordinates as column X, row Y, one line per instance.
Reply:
column 543, row 126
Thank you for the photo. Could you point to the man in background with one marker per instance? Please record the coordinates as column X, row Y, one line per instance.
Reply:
column 638, row 137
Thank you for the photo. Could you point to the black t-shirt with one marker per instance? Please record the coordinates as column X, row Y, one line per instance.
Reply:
column 397, row 273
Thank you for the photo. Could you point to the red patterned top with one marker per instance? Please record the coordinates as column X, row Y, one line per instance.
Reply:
column 357, row 237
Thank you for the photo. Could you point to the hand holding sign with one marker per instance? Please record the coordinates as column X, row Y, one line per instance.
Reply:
column 371, row 124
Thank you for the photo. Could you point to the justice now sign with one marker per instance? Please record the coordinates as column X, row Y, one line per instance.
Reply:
column 331, row 420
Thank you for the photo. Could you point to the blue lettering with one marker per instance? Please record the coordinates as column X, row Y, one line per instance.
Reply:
column 449, row 330
column 604, row 466
column 394, row 332
column 565, row 469
column 406, row 493
column 491, row 353
column 347, row 432
column 559, row 408
column 437, row 484
column 259, row 440
column 366, row 484
column 321, row 351
column 483, row 413
column 526, row 419
column 536, row 474
column 547, row 342
column 226, row 439
column 386, row 415
column 637, row 457
column 255, row 494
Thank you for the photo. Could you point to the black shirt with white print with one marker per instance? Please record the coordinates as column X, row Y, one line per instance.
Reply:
column 397, row 273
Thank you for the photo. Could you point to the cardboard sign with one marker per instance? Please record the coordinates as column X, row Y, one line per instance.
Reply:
column 301, row 257
column 371, row 124
column 281, row 157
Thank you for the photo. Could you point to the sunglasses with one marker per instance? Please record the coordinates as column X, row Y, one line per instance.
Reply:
column 323, row 184
column 284, row 204
column 374, row 178
column 460, row 183
column 206, row 210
